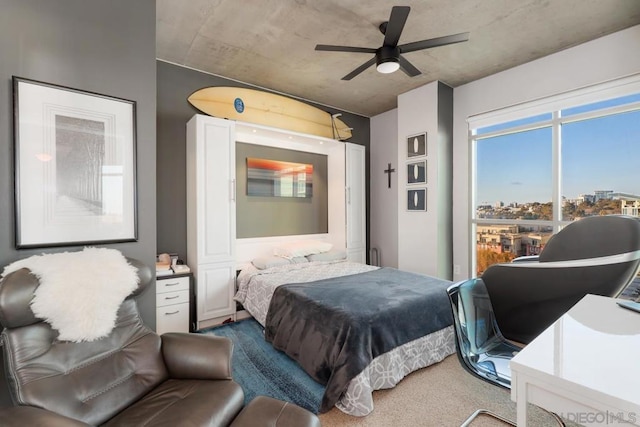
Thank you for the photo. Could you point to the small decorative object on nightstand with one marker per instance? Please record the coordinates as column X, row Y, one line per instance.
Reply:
column 173, row 303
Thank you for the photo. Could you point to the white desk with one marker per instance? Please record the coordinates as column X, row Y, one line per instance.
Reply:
column 585, row 367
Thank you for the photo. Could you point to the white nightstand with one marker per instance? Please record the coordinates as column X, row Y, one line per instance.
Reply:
column 173, row 303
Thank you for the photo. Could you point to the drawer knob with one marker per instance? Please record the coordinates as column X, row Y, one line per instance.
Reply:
column 173, row 297
column 173, row 312
column 172, row 284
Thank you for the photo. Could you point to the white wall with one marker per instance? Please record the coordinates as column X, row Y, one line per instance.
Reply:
column 384, row 200
column 419, row 234
column 600, row 60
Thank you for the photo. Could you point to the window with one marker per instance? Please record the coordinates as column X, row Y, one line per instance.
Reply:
column 600, row 169
column 514, row 171
column 535, row 173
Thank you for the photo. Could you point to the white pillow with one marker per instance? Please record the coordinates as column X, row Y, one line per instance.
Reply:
column 265, row 262
column 333, row 255
column 301, row 248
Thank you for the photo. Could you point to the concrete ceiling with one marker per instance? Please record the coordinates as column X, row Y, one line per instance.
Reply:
column 270, row 43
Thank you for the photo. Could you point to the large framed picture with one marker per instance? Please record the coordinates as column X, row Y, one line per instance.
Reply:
column 75, row 166
column 417, row 199
column 417, row 145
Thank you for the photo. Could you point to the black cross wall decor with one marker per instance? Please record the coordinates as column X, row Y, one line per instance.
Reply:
column 388, row 171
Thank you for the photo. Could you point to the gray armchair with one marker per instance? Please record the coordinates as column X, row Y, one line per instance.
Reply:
column 132, row 377
column 596, row 255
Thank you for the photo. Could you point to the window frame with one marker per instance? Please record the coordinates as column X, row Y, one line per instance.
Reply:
column 554, row 105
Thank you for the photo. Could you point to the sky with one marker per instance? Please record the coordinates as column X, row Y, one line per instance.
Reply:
column 597, row 154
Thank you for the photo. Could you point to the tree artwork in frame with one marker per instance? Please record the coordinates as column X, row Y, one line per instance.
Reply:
column 417, row 145
column 417, row 199
column 75, row 167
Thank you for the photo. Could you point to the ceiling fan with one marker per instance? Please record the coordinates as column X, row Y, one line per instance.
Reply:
column 388, row 57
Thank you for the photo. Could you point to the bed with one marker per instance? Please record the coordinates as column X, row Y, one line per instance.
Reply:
column 351, row 357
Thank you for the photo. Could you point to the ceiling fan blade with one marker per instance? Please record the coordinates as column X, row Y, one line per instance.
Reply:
column 360, row 69
column 408, row 67
column 395, row 26
column 332, row 48
column 438, row 41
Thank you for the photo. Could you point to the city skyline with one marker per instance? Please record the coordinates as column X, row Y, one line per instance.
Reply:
column 597, row 154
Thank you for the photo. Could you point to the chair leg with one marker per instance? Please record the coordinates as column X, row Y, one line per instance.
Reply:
column 486, row 412
column 503, row 419
column 557, row 418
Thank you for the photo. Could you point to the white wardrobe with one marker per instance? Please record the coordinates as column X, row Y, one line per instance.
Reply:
column 213, row 252
column 211, row 216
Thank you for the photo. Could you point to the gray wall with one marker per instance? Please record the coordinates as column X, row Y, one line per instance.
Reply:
column 175, row 84
column 280, row 216
column 445, row 181
column 106, row 47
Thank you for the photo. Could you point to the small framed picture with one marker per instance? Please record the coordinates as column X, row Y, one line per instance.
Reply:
column 417, row 172
column 417, row 145
column 417, row 200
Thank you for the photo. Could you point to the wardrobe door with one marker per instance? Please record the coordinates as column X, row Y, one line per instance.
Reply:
column 355, row 202
column 211, row 215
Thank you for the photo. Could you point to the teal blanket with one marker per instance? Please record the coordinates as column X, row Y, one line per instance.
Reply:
column 335, row 327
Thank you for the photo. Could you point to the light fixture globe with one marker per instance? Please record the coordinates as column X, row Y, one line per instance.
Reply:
column 387, row 67
column 387, row 59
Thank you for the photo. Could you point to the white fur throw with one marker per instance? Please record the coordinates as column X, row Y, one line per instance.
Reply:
column 80, row 292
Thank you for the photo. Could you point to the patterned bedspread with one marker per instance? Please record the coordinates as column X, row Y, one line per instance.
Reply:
column 256, row 287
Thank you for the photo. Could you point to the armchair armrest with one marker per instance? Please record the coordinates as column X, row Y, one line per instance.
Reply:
column 20, row 416
column 527, row 258
column 534, row 262
column 192, row 356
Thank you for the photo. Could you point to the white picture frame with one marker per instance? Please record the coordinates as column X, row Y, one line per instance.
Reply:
column 417, row 172
column 417, row 199
column 75, row 166
column 417, row 145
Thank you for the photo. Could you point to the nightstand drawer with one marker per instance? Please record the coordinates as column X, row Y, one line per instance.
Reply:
column 170, row 298
column 171, row 284
column 172, row 318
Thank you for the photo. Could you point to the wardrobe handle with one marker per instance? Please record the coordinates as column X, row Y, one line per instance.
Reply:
column 348, row 195
column 233, row 190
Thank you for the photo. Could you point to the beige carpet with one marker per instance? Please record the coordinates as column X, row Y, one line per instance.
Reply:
column 441, row 395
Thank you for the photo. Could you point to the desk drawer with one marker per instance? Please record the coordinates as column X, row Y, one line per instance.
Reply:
column 172, row 318
column 171, row 298
column 171, row 284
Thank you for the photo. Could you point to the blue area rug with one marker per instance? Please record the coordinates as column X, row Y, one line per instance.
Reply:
column 262, row 370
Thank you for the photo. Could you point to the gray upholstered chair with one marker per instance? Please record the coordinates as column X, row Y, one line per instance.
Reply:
column 596, row 255
column 132, row 377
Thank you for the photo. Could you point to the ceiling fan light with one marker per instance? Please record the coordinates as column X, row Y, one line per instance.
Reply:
column 388, row 67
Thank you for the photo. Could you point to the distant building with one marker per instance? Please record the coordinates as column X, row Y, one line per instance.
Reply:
column 603, row 194
column 511, row 239
column 625, row 196
column 589, row 198
column 630, row 208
